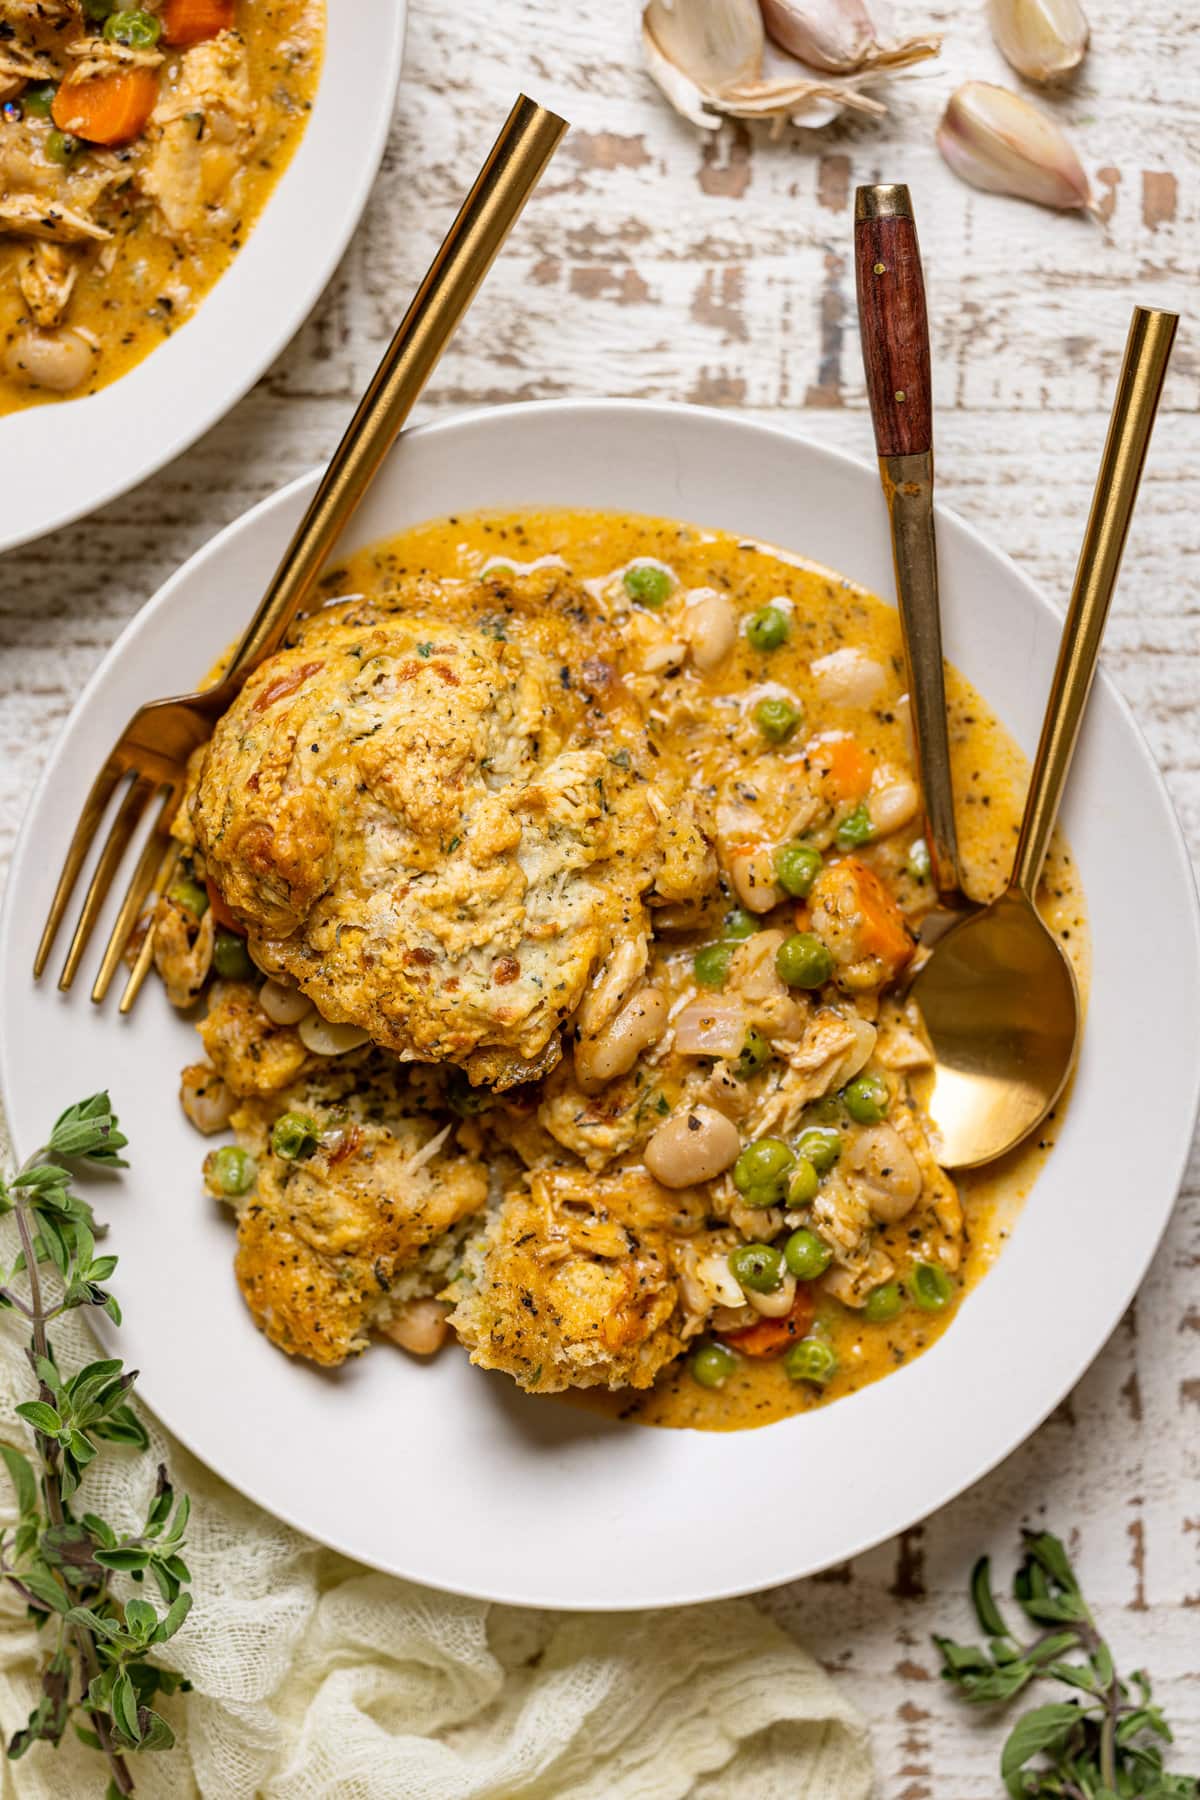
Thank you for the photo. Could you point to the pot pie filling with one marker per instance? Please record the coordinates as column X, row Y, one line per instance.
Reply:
column 138, row 146
column 548, row 899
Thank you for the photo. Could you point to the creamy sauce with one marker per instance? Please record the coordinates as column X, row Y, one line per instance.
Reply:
column 827, row 612
column 135, row 290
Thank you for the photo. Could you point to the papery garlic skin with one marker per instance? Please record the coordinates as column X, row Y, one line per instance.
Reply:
column 1044, row 40
column 841, row 36
column 714, row 43
column 712, row 61
column 1001, row 142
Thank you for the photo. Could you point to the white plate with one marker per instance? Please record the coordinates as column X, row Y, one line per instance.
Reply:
column 454, row 1477
column 66, row 458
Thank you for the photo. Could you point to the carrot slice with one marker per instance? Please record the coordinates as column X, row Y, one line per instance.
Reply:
column 850, row 769
column 884, row 931
column 106, row 109
column 770, row 1337
column 221, row 912
column 191, row 21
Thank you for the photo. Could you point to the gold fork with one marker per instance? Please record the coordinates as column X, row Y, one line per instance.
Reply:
column 150, row 756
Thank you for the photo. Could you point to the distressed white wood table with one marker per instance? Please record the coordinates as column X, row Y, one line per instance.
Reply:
column 655, row 262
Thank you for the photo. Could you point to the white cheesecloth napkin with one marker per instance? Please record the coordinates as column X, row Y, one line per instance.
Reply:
column 313, row 1677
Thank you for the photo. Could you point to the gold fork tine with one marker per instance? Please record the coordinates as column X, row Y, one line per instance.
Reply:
column 135, row 898
column 130, row 811
column 141, row 966
column 89, row 819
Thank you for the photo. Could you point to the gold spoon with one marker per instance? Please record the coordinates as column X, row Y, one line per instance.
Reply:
column 998, row 994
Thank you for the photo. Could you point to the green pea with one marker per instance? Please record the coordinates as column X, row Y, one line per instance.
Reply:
column 98, row 9
column 930, row 1286
column 826, row 1111
column 139, row 30
column 803, row 961
column 812, row 1359
column 739, row 924
column 234, row 1170
column 884, row 1303
column 755, row 1052
column 796, row 868
column 38, row 99
column 189, row 894
column 497, row 571
column 764, row 1164
column 61, row 147
column 713, row 1364
column 646, row 583
column 757, row 1267
column 855, row 829
column 820, row 1146
column 807, row 1255
column 293, row 1135
column 231, row 957
column 803, row 1183
column 766, row 1193
column 919, row 863
column 777, row 719
column 710, row 966
column 866, row 1099
column 768, row 628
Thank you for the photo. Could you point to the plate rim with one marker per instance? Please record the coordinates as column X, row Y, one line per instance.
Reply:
column 1174, row 836
column 292, row 318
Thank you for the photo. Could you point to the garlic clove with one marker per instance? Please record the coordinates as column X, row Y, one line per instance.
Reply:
column 1001, row 142
column 1044, row 40
column 842, row 37
column 715, row 43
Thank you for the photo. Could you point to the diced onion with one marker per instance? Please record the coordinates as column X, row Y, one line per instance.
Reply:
column 711, row 1028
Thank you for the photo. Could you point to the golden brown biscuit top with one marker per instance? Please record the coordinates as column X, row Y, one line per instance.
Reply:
column 439, row 826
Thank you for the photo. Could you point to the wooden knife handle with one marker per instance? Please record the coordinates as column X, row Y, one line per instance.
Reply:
column 892, row 320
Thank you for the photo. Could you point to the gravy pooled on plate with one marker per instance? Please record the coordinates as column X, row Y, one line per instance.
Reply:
column 582, row 855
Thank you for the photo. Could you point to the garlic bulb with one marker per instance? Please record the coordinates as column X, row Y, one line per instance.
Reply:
column 841, row 36
column 711, row 59
column 1044, row 40
column 998, row 141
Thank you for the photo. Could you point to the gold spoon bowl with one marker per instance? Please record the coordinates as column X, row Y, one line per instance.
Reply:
column 998, row 995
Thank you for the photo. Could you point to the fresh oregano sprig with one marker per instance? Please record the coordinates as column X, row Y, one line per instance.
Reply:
column 98, row 1676
column 1106, row 1742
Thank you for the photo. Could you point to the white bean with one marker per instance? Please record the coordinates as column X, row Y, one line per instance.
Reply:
column 283, row 1005
column 58, row 360
column 753, row 875
column 888, row 1167
column 710, row 625
column 613, row 1051
column 893, row 804
column 325, row 1039
column 693, row 1146
column 849, row 677
column 418, row 1326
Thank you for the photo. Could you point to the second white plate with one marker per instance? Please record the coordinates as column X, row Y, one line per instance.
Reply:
column 66, row 458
